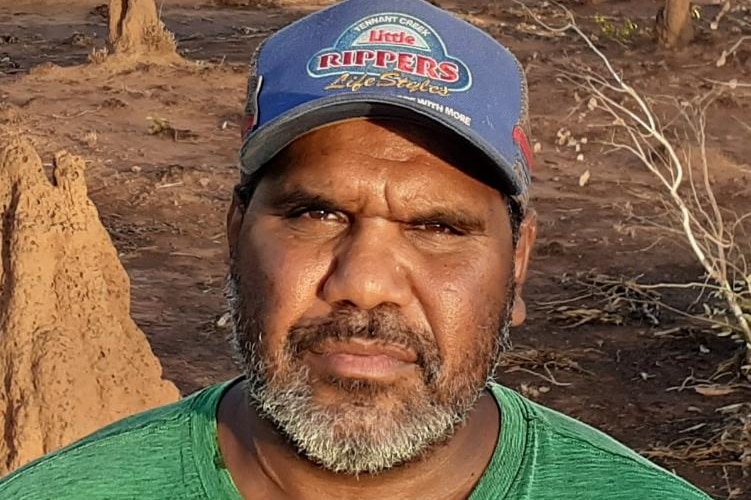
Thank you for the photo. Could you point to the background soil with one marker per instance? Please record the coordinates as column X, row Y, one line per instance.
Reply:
column 161, row 141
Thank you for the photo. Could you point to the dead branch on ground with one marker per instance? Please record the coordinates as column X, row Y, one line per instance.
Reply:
column 710, row 232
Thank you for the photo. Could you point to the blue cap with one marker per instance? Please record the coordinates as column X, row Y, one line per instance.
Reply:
column 389, row 59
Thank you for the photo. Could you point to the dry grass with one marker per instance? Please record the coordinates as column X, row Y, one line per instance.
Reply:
column 726, row 442
column 603, row 299
column 158, row 39
column 98, row 56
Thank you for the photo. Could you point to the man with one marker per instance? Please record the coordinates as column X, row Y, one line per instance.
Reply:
column 379, row 240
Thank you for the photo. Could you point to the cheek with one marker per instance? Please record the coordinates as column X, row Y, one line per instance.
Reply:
column 283, row 277
column 462, row 299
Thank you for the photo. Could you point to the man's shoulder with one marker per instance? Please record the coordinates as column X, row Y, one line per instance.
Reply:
column 567, row 453
column 132, row 458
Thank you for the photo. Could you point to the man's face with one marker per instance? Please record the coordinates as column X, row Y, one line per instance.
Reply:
column 371, row 285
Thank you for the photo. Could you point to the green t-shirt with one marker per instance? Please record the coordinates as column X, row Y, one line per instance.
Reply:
column 172, row 453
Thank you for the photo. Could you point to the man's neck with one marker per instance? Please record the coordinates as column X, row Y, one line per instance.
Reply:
column 264, row 465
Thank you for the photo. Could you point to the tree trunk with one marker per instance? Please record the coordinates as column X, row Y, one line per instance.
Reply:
column 674, row 26
column 135, row 28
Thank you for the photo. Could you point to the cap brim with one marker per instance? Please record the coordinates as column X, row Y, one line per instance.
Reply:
column 266, row 142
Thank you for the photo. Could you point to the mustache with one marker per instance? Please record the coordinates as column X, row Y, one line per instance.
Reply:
column 382, row 324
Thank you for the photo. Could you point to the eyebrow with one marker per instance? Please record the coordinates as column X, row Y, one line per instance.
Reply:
column 297, row 197
column 457, row 219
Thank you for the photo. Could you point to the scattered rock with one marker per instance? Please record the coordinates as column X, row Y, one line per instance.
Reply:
column 7, row 63
column 114, row 102
column 78, row 39
column 100, row 12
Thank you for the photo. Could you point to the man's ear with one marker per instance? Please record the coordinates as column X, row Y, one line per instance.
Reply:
column 523, row 251
column 235, row 216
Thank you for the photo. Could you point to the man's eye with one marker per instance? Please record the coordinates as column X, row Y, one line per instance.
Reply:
column 319, row 215
column 439, row 228
column 316, row 215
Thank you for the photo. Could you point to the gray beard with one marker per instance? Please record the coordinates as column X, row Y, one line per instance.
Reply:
column 358, row 436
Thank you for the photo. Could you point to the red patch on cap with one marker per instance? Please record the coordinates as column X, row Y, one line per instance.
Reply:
column 521, row 140
column 248, row 123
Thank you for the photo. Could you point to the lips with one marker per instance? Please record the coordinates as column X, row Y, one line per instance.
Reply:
column 361, row 359
column 359, row 347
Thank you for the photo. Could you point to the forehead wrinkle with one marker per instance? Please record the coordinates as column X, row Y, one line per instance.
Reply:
column 367, row 166
column 390, row 188
column 362, row 179
column 399, row 187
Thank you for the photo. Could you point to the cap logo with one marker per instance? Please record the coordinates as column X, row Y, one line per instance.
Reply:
column 391, row 50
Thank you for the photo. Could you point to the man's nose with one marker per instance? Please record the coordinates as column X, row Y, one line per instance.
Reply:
column 367, row 271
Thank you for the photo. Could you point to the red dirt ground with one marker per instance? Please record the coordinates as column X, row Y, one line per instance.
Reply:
column 163, row 196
